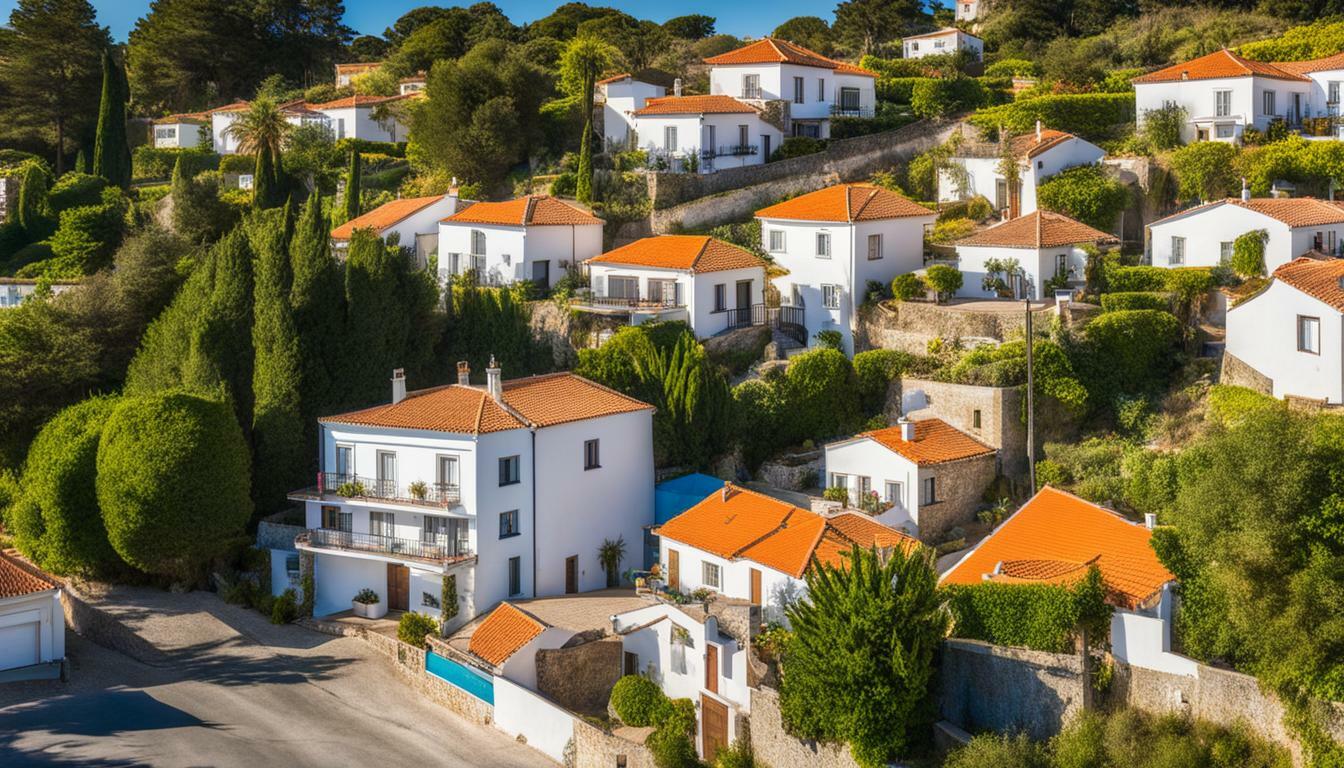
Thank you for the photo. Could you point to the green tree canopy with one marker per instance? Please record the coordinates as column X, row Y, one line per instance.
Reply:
column 1205, row 170
column 808, row 31
column 694, row 26
column 111, row 153
column 1087, row 194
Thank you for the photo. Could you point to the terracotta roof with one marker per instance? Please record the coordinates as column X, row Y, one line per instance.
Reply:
column 197, row 118
column 356, row 66
column 503, row 633
column 237, row 106
column 752, row 526
column 1322, row 280
column 770, row 50
column 718, row 104
column 1038, row 229
column 559, row 398
column 1219, row 64
column 530, row 210
column 935, row 442
column 1031, row 145
column 418, row 77
column 846, row 202
column 358, row 100
column 1313, row 65
column 1293, row 211
column 939, row 33
column 613, row 79
column 693, row 253
column 17, row 581
column 384, row 216
column 1055, row 537
column 845, row 68
column 296, row 106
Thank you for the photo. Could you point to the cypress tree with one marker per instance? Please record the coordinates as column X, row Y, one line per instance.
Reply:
column 264, row 181
column 277, row 426
column 584, row 188
column 31, row 213
column 111, row 155
column 317, row 298
column 377, row 319
column 352, row 189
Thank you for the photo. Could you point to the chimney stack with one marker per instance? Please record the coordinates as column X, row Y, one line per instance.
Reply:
column 493, row 385
column 907, row 429
column 676, row 87
column 1149, row 520
column 451, row 194
column 398, row 385
column 1038, row 130
column 463, row 373
column 728, row 490
column 1245, row 191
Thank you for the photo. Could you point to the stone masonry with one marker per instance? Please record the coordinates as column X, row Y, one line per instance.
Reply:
column 1000, row 409
column 580, row 678
column 990, row 687
column 961, row 486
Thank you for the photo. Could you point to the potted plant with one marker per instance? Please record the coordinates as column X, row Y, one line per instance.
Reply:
column 368, row 605
column 351, row 489
column 419, row 490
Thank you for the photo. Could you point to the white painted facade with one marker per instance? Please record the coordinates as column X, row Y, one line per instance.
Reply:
column 983, row 177
column 16, row 290
column 694, row 294
column 941, row 43
column 779, row 590
column 359, row 123
column 967, row 10
column 179, row 134
column 861, row 463
column 514, row 253
column 32, row 629
column 1203, row 237
column 716, row 140
column 813, row 93
column 411, row 231
column 1038, row 266
column 1265, row 332
column 1142, row 637
column 520, row 712
column 1219, row 109
column 227, row 144
column 620, row 100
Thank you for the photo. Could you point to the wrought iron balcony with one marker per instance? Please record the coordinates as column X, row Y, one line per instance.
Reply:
column 851, row 110
column 586, row 298
column 733, row 150
column 430, row 548
column 354, row 487
column 470, row 267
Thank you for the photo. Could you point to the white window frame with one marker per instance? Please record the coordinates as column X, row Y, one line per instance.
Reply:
column 895, row 492
column 1177, row 255
column 799, row 91
column 1267, row 102
column 1222, row 103
column 830, row 296
column 670, row 138
column 823, row 240
column 875, row 247
column 1309, row 334
column 1225, row 249
column 751, row 86
column 773, row 235
column 711, row 575
column 349, row 469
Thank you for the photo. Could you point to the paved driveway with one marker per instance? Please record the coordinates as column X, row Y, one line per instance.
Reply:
column 229, row 689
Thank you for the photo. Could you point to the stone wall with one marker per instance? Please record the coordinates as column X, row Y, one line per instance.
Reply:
column 1235, row 371
column 595, row 748
column 105, row 629
column 271, row 535
column 580, row 678
column 773, row 746
column 1001, row 424
column 910, row 325
column 960, row 488
column 989, row 687
column 566, row 331
column 795, row 472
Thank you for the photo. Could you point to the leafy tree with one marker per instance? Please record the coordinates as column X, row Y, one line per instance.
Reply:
column 867, row 26
column 1205, row 170
column 111, row 153
column 265, row 181
column 261, row 128
column 859, row 664
column 173, row 480
column 822, row 392
column 352, row 192
column 943, row 279
column 583, row 61
column 639, row 42
column 368, row 48
column 1087, row 194
column 199, row 216
column 808, row 31
column 31, row 213
column 695, row 26
column 875, row 369
column 88, row 235
column 564, row 21
column 1163, row 126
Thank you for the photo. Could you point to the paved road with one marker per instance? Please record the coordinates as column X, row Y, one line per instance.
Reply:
column 232, row 690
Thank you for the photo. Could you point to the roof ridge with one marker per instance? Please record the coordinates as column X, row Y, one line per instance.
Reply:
column 783, row 523
column 700, row 254
column 528, row 207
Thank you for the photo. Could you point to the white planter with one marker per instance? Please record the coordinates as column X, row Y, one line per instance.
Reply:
column 375, row 610
column 359, row 609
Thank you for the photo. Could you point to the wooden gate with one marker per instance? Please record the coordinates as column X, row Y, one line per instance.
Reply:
column 713, row 727
column 398, row 587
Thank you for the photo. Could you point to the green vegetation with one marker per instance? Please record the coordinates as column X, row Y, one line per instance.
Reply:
column 1248, row 253
column 413, row 627
column 1043, row 617
column 638, row 701
column 1092, row 116
column 1087, row 194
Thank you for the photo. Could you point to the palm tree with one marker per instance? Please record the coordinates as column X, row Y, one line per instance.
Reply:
column 610, row 555
column 261, row 127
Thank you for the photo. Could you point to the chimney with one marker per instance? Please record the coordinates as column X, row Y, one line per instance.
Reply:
column 907, row 429
column 728, row 490
column 1149, row 520
column 492, row 382
column 1245, row 191
column 398, row 385
column 463, row 373
column 676, row 87
column 1185, row 74
column 1038, row 131
column 451, row 194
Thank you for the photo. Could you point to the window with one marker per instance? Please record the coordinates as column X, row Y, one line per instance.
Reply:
column 434, row 531
column 711, row 573
column 751, row 86
column 165, row 133
column 865, row 485
column 895, row 492
column 1225, row 131
column 797, row 90
column 914, row 45
column 776, row 240
column 663, row 292
column 345, row 460
column 743, row 137
column 975, row 419
column 823, row 245
column 849, row 100
column 508, row 524
column 721, row 297
column 670, row 137
column 429, row 601
column 477, row 242
column 1061, row 264
column 1177, row 251
column 830, row 296
column 821, row 89
column 387, row 473
column 928, row 491
column 382, row 524
column 1309, row 334
column 1267, row 103
column 590, row 455
column 1222, row 103
column 874, row 247
column 1225, row 251
column 447, row 472
column 515, row 576
column 623, row 287
column 508, row 470
column 939, row 44
column 333, row 519
column 1333, row 96
column 292, row 566
column 839, row 480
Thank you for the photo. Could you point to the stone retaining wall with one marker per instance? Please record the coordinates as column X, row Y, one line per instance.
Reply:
column 595, row 748
column 909, row 326
column 774, row 746
column 277, row 535
column 580, row 678
column 105, row 629
column 1235, row 371
column 990, row 687
column 1001, row 424
column 794, row 472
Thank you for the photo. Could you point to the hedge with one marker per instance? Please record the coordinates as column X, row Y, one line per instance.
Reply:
column 75, row 189
column 148, row 162
column 366, row 147
column 1089, row 115
column 1123, row 300
column 1136, row 279
column 237, row 164
column 898, row 89
column 1042, row 617
column 875, row 370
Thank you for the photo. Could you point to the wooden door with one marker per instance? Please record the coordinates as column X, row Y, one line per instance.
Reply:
column 398, row 587
column 571, row 574
column 755, row 587
column 673, row 570
column 712, row 668
column 744, row 294
column 713, row 727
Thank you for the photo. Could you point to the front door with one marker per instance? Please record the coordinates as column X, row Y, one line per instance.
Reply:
column 755, row 587
column 765, row 147
column 541, row 273
column 712, row 668
column 571, row 574
column 714, row 727
column 398, row 587
column 673, row 570
column 743, row 294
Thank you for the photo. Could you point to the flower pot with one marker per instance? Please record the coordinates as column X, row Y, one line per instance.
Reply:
column 359, row 609
column 375, row 610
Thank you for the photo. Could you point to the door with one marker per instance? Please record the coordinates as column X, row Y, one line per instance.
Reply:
column 713, row 727
column 398, row 587
column 743, row 294
column 712, row 668
column 541, row 273
column 631, row 663
column 765, row 147
column 673, row 570
column 571, row 574
column 20, row 644
column 755, row 587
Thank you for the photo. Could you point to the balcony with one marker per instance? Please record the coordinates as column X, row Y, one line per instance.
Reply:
column 436, row 550
column 586, row 299
column 734, row 150
column 788, row 319
column 353, row 487
column 851, row 110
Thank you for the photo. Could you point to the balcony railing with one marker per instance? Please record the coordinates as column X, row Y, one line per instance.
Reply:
column 469, row 266
column 789, row 320
column 734, row 150
column 587, row 298
column 355, row 487
column 429, row 548
column 851, row 110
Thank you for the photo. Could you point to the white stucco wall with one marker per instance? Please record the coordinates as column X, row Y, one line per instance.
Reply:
column 1039, row 266
column 693, row 135
column 19, row 615
column 982, row 173
column 1142, row 638
column 696, row 290
column 655, row 649
column 1262, row 332
column 521, row 667
column 520, row 712
column 512, row 252
column 778, row 590
column 177, row 135
column 1207, row 229
column 358, row 123
column 622, row 100
column 1198, row 99
column 944, row 42
column 867, row 458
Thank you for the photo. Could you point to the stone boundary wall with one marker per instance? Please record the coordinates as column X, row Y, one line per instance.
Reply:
column 277, row 535
column 990, row 687
column 909, row 326
column 1001, row 424
column 595, row 748
column 89, row 621
column 774, row 746
column 1235, row 371
column 580, row 678
column 790, row 472
column 961, row 486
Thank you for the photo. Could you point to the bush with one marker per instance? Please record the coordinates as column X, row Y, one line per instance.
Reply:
column 951, row 230
column 1116, row 302
column 993, row 750
column 1205, row 170
column 88, row 235
column 365, row 147
column 1131, row 352
column 1138, row 279
column 1162, row 127
column 908, row 286
column 830, row 339
column 875, row 369
column 836, row 493
column 149, row 162
column 237, row 164
column 797, row 146
column 946, row 96
column 285, row 609
column 1089, row 115
column 898, row 90
column 565, row 185
column 414, row 626
column 1013, row 68
column 1043, row 617
column 1248, row 253
column 75, row 189
column 639, row 701
column 1087, row 194
column 822, row 394
column 1230, row 405
column 944, row 279
column 173, row 481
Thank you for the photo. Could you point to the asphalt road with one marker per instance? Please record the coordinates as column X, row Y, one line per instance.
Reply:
column 231, row 690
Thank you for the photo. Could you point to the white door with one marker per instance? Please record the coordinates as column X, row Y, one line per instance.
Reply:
column 20, row 645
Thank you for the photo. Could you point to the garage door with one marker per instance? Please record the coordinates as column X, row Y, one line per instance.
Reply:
column 19, row 645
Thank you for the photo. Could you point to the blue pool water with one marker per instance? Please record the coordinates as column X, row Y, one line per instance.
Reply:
column 464, row 677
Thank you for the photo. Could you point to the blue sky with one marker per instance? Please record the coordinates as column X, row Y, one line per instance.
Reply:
column 744, row 17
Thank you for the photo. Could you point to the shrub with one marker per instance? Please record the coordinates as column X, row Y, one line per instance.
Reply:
column 1230, row 405
column 979, row 208
column 1132, row 351
column 1043, row 617
column 830, row 339
column 875, row 369
column 1248, row 253
column 639, row 701
column 836, row 493
column 75, row 189
column 1115, row 302
column 898, row 89
column 797, row 146
column 822, row 394
column 993, row 750
column 149, row 162
column 1087, row 194
column 908, row 286
column 951, row 230
column 285, row 609
column 236, row 163
column 737, row 755
column 367, row 596
column 944, row 279
column 1205, row 170
column 942, row 97
column 1162, row 127
column 1136, row 279
column 88, row 235
column 565, row 185
column 1089, row 115
column 413, row 627
column 173, row 481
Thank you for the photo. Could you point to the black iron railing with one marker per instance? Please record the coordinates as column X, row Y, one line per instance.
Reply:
column 586, row 298
column 789, row 320
column 432, row 548
column 419, row 492
column 851, row 110
column 732, row 150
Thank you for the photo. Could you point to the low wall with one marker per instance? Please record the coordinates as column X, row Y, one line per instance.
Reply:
column 1235, row 371
column 277, row 535
column 89, row 621
column 910, row 325
column 595, row 748
column 773, row 746
column 532, row 720
column 580, row 678
column 990, row 687
column 794, row 472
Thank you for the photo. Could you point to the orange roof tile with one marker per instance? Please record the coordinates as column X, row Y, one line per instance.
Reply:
column 559, row 398
column 1293, row 211
column 358, row 100
column 718, row 104
column 1054, row 537
column 1313, row 65
column 358, row 66
column 752, row 526
column 197, row 118
column 526, row 211
column 1031, row 145
column 1318, row 279
column 1219, row 64
column 503, row 633
column 613, row 79
column 693, row 253
column 17, row 581
column 1038, row 229
column 935, row 442
column 846, row 202
column 939, row 33
column 384, row 216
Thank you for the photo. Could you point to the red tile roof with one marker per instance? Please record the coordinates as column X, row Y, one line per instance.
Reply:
column 503, row 633
column 1293, row 211
column 529, row 210
column 1314, row 65
column 939, row 33
column 613, row 79
column 358, row 100
column 848, row 203
column 384, row 216
column 717, row 104
column 1219, row 64
column 770, row 50
column 752, row 526
column 1038, row 229
column 1031, row 145
column 196, row 118
column 693, row 253
column 559, row 398
column 935, row 442
column 1055, row 537
column 17, row 580
column 1323, row 280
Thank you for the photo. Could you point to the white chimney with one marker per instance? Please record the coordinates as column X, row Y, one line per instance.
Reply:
column 907, row 429
column 493, row 385
column 1038, row 130
column 676, row 87
column 1245, row 191
column 1149, row 520
column 451, row 194
column 727, row 491
column 463, row 373
column 398, row 385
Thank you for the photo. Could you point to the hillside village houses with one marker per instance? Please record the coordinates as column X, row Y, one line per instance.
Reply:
column 1024, row 258
column 621, row 96
column 182, row 131
column 942, row 42
column 221, row 119
column 412, row 221
column 968, row 10
column 704, row 133
column 534, row 237
column 353, row 117
column 833, row 242
column 1203, row 236
column 1287, row 339
column 346, row 73
column 974, row 170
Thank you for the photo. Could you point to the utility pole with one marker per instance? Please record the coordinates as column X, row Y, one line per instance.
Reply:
column 1031, row 402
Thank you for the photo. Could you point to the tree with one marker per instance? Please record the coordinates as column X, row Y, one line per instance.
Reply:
column 945, row 280
column 32, row 209
column 1205, row 170
column 822, row 395
column 695, row 26
column 584, row 60
column 192, row 54
column 199, row 216
column 808, row 31
column 317, row 299
column 49, row 72
column 173, row 480
column 944, row 96
column 265, row 182
column 866, row 26
column 858, row 665
column 1087, row 194
column 262, row 127
column 111, row 153
column 609, row 556
column 352, row 192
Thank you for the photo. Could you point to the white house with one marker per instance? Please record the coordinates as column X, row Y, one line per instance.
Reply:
column 967, row 10
column 836, row 240
column 414, row 221
column 16, row 290
column 974, row 168
column 1025, row 254
column 711, row 132
column 1055, row 538
column 535, row 237
column 927, row 474
column 346, row 73
column 942, row 42
column 32, row 623
column 412, row 84
column 748, row 546
column 622, row 96
column 509, row 489
column 1292, row 331
column 1203, row 236
column 221, row 118
column 183, row 131
column 364, row 117
column 811, row 87
column 710, row 284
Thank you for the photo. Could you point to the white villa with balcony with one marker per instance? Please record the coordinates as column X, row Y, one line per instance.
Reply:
column 221, row 119
column 1021, row 258
column 833, row 242
column 621, row 97
column 974, row 170
column 709, row 133
column 508, row 488
column 941, row 43
column 535, row 237
column 711, row 285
